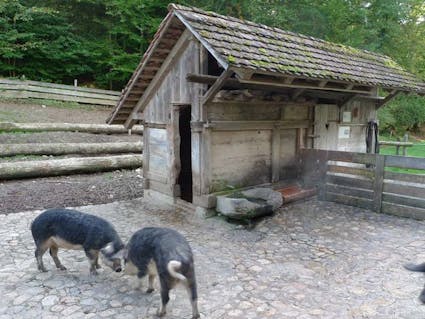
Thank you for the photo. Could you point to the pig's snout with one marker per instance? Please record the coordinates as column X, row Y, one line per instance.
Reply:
column 119, row 269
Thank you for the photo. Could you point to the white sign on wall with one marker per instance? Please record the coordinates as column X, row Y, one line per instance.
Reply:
column 344, row 132
column 346, row 117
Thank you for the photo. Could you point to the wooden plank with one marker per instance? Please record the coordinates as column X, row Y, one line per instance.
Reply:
column 178, row 49
column 366, row 172
column 412, row 178
column 404, row 200
column 350, row 191
column 405, row 162
column 349, row 200
column 378, row 182
column 403, row 211
column 275, row 155
column 361, row 158
column 349, row 180
column 403, row 188
column 254, row 125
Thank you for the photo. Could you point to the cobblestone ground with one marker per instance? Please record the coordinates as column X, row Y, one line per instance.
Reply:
column 311, row 260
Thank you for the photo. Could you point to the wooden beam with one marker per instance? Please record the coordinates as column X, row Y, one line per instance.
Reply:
column 178, row 49
column 209, row 95
column 209, row 79
column 388, row 98
column 347, row 100
column 288, row 80
column 297, row 93
column 322, row 83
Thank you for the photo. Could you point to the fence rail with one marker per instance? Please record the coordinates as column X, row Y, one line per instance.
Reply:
column 42, row 90
column 364, row 180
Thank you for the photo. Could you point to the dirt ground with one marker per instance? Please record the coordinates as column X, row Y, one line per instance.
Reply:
column 62, row 191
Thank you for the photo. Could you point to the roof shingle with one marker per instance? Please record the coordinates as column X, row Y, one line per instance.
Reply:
column 245, row 44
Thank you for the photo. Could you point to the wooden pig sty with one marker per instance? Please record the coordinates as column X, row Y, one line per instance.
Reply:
column 226, row 102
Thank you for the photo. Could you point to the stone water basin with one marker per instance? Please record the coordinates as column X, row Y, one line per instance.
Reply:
column 249, row 203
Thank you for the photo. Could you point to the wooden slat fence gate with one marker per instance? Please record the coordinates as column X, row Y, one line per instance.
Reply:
column 49, row 91
column 367, row 180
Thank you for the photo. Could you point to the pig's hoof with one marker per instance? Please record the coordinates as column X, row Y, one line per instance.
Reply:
column 98, row 266
column 42, row 269
column 160, row 313
column 149, row 290
column 62, row 267
column 93, row 272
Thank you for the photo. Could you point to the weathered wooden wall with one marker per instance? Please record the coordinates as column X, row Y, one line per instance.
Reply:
column 174, row 88
column 329, row 126
column 161, row 138
column 255, row 142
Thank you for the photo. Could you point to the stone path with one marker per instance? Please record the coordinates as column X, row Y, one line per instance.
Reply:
column 311, row 260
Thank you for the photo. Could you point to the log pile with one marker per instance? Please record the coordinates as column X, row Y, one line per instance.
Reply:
column 103, row 156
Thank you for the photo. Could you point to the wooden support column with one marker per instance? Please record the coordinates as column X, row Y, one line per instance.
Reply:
column 378, row 184
column 275, row 155
column 216, row 86
column 388, row 98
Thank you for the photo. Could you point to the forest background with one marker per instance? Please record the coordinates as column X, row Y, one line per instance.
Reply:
column 100, row 42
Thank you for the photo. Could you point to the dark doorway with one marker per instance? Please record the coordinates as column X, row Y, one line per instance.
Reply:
column 185, row 176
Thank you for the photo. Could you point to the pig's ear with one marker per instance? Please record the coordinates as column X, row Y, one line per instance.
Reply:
column 108, row 249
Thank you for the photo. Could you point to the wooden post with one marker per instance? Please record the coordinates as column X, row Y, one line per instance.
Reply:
column 275, row 155
column 405, row 139
column 378, row 184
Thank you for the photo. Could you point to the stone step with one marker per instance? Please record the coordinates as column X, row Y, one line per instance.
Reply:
column 294, row 193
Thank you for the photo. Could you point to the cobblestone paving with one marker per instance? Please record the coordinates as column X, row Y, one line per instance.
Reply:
column 311, row 260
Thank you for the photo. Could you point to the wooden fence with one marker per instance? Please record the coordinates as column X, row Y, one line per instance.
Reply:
column 49, row 91
column 365, row 180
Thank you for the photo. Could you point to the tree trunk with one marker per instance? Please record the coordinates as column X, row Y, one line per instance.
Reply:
column 15, row 170
column 88, row 128
column 70, row 148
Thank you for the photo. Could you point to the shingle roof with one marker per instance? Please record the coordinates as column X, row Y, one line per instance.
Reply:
column 258, row 47
column 247, row 46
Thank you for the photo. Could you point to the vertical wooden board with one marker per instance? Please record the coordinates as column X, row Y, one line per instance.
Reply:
column 288, row 143
column 240, row 158
column 196, row 163
column 276, row 154
column 158, row 152
column 173, row 89
column 324, row 128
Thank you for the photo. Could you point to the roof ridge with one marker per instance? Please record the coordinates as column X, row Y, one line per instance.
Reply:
column 341, row 47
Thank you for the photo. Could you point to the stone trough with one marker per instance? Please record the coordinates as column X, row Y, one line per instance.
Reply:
column 249, row 203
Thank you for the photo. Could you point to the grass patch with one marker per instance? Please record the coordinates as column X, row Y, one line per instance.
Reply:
column 7, row 116
column 417, row 150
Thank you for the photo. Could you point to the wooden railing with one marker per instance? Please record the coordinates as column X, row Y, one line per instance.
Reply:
column 367, row 180
column 49, row 91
